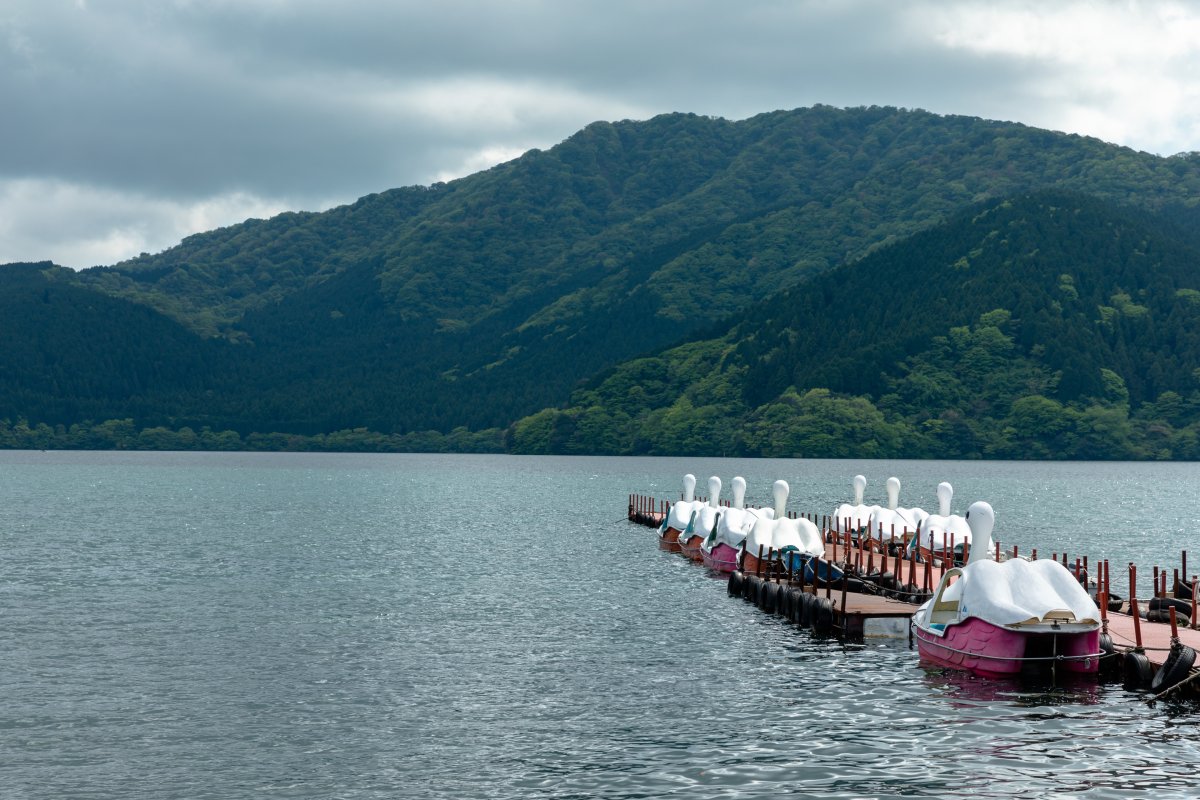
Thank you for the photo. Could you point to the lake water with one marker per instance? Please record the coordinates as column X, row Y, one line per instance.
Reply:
column 423, row 626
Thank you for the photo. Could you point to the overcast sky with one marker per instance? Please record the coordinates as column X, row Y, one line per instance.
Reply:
column 126, row 125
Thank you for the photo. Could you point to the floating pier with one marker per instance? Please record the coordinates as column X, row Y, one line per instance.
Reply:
column 882, row 586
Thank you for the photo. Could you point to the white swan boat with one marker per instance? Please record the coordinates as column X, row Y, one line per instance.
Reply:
column 1001, row 619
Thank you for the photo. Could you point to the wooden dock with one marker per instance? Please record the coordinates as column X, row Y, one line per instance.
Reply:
column 884, row 567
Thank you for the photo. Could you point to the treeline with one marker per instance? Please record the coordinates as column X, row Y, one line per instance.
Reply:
column 123, row 434
column 971, row 396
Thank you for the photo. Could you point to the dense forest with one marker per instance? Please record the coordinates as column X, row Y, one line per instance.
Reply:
column 433, row 317
column 1044, row 325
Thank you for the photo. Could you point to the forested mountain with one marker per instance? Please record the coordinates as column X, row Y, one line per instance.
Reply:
column 479, row 301
column 68, row 353
column 1046, row 324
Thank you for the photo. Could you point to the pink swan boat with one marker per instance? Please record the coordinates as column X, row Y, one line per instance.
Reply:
column 1003, row 619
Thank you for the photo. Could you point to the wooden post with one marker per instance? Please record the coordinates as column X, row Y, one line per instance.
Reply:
column 1174, row 626
column 845, row 579
column 1193, row 601
column 1155, row 581
column 758, row 563
column 1137, row 623
column 1107, row 581
column 1102, row 598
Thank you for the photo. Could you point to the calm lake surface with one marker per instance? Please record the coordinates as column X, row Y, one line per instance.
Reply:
column 423, row 626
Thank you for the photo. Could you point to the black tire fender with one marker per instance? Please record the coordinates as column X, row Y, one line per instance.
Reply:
column 806, row 605
column 1177, row 667
column 823, row 621
column 1137, row 671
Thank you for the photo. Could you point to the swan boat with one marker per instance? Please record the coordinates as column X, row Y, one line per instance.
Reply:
column 942, row 533
column 679, row 516
column 720, row 550
column 894, row 521
column 797, row 543
column 853, row 517
column 704, row 522
column 1004, row 619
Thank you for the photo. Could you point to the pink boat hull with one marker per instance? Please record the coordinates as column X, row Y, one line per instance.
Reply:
column 991, row 651
column 721, row 559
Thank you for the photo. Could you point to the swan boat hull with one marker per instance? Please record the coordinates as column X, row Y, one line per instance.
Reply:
column 690, row 547
column 996, row 651
column 669, row 540
column 722, row 559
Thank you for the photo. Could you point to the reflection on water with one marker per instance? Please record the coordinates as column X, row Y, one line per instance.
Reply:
column 968, row 689
column 227, row 626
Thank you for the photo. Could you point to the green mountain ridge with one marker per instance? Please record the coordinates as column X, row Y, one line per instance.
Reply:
column 480, row 301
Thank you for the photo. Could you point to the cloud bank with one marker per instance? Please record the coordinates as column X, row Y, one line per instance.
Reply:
column 132, row 123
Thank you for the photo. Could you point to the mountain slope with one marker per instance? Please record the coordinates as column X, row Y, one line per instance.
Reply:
column 68, row 354
column 944, row 344
column 481, row 300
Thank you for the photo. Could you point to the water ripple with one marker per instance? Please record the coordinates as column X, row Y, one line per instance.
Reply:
column 246, row 625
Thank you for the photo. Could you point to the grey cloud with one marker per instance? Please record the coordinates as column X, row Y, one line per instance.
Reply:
column 300, row 103
column 194, row 99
